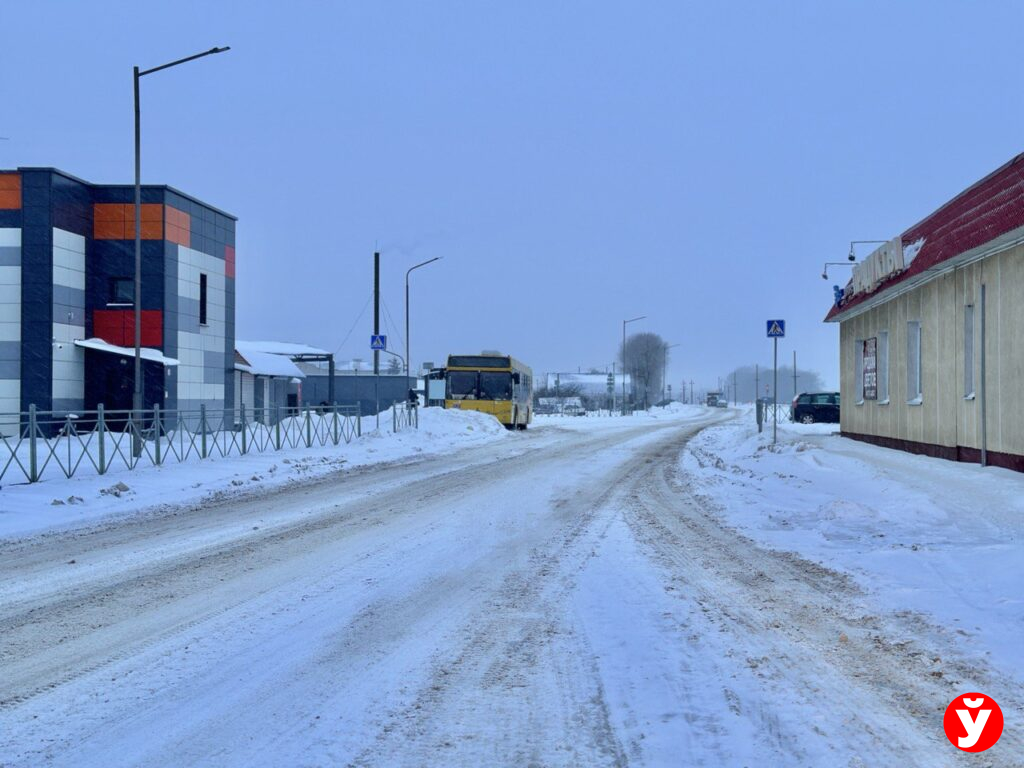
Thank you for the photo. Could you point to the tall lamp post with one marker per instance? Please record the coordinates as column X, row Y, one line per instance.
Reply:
column 137, row 397
column 407, row 273
column 624, row 366
column 664, row 369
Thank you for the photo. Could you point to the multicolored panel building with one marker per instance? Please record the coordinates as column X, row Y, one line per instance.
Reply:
column 67, row 303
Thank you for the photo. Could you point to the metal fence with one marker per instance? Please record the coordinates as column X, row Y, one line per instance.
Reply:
column 35, row 443
column 766, row 413
column 404, row 416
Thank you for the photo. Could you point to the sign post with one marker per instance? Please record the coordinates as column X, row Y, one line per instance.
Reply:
column 378, row 343
column 776, row 331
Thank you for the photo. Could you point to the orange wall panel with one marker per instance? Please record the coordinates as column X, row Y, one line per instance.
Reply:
column 179, row 226
column 116, row 221
column 107, row 230
column 10, row 191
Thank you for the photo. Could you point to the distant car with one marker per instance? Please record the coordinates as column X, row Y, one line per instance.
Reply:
column 816, row 407
column 722, row 404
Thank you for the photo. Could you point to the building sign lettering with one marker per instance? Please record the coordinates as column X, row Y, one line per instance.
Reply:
column 871, row 369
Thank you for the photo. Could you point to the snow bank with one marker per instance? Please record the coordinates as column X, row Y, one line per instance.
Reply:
column 919, row 534
column 30, row 508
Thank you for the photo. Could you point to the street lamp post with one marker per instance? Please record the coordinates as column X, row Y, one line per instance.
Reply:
column 137, row 74
column 407, row 272
column 624, row 366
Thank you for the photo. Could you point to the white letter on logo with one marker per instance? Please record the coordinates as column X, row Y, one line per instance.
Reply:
column 973, row 727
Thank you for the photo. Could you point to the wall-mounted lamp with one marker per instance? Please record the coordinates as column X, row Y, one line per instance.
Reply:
column 824, row 272
column 853, row 256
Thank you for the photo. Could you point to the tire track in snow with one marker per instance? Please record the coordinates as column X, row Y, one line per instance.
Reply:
column 818, row 642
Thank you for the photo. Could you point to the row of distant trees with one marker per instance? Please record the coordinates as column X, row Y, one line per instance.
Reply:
column 751, row 379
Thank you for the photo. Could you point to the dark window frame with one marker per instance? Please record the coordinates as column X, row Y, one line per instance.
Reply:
column 203, row 295
column 115, row 297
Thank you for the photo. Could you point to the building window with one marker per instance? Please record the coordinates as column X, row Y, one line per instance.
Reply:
column 122, row 291
column 858, row 371
column 914, row 396
column 883, row 367
column 202, row 299
column 969, row 351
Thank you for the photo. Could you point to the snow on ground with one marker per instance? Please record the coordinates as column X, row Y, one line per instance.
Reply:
column 567, row 596
column 919, row 534
column 27, row 508
column 57, row 502
column 602, row 420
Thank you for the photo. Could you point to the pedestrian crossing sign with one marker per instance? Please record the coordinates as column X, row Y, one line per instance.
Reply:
column 378, row 343
column 776, row 329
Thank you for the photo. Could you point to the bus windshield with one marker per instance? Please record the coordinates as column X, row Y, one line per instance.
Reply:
column 461, row 384
column 495, row 386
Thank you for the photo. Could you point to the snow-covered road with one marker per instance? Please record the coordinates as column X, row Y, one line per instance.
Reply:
column 561, row 597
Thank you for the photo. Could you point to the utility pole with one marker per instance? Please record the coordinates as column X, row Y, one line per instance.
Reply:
column 795, row 392
column 735, row 400
column 376, row 330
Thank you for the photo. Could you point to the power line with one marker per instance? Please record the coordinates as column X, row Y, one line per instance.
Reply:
column 356, row 323
column 387, row 315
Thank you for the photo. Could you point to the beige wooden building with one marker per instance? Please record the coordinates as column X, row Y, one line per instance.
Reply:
column 932, row 331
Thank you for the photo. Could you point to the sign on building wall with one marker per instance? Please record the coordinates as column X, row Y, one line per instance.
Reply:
column 871, row 369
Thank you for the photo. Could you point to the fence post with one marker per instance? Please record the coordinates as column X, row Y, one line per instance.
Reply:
column 157, row 426
column 277, row 426
column 334, row 409
column 101, row 428
column 394, row 418
column 359, row 419
column 202, row 429
column 309, row 428
column 416, row 413
column 33, row 475
column 241, row 418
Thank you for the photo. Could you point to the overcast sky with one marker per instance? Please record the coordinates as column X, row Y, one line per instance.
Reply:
column 575, row 163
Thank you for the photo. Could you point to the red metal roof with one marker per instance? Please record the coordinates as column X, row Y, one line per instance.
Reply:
column 981, row 213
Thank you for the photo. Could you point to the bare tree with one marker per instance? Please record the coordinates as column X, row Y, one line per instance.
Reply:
column 643, row 358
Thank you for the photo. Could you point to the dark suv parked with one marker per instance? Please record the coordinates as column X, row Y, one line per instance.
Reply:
column 811, row 407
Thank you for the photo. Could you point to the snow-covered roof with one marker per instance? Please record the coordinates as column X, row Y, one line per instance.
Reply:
column 988, row 211
column 153, row 355
column 278, row 348
column 266, row 364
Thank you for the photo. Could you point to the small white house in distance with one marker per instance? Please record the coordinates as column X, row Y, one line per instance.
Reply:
column 263, row 380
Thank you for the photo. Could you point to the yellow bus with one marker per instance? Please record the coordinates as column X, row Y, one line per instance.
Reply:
column 491, row 383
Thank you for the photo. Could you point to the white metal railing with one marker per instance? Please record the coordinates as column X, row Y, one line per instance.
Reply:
column 36, row 443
